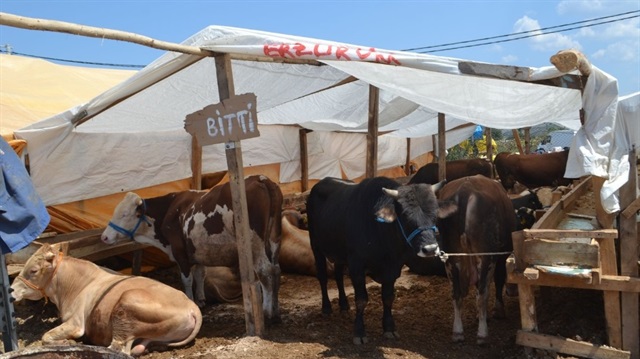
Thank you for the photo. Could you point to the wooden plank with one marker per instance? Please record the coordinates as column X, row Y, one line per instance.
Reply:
column 632, row 208
column 579, row 190
column 254, row 318
column 629, row 255
column 100, row 251
column 607, row 282
column 551, row 218
column 548, row 252
column 570, row 233
column 372, row 133
column 569, row 346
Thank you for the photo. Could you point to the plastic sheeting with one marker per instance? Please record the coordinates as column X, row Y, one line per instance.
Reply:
column 134, row 136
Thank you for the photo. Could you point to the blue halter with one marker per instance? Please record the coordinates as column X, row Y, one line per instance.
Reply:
column 413, row 234
column 131, row 233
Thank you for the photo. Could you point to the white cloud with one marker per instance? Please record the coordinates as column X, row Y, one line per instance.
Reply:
column 573, row 6
column 549, row 42
column 509, row 59
column 598, row 54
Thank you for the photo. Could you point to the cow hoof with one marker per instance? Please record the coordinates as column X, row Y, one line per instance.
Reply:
column 201, row 303
column 391, row 335
column 457, row 337
column 482, row 340
column 360, row 340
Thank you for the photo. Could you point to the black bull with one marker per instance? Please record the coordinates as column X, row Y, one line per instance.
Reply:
column 372, row 227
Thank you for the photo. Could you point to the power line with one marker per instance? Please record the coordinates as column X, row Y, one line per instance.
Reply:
column 529, row 31
column 536, row 32
column 11, row 52
column 528, row 36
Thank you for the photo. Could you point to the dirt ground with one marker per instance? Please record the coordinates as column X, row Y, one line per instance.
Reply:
column 423, row 312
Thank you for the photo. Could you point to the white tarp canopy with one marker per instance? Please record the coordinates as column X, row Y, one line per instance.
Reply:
column 135, row 136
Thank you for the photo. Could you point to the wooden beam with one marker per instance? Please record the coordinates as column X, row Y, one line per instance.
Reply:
column 569, row 346
column 496, row 71
column 615, row 283
column 251, row 290
column 569, row 60
column 372, row 133
column 102, row 33
column 629, row 255
column 570, row 233
column 442, row 148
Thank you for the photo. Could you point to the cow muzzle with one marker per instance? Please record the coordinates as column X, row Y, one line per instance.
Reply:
column 430, row 250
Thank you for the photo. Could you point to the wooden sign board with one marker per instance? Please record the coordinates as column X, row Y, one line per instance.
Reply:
column 233, row 119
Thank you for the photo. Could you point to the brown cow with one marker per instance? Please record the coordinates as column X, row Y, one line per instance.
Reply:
column 126, row 313
column 532, row 170
column 196, row 229
column 475, row 221
column 455, row 169
column 296, row 255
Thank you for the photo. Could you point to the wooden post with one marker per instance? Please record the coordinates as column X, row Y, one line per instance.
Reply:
column 516, row 136
column 488, row 142
column 629, row 262
column 527, row 140
column 196, row 164
column 304, row 160
column 251, row 290
column 372, row 134
column 442, row 148
column 407, row 161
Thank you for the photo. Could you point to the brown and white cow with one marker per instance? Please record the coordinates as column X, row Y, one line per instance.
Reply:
column 196, row 229
column 454, row 170
column 475, row 221
column 126, row 313
column 532, row 170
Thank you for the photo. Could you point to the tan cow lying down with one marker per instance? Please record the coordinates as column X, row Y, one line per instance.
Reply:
column 126, row 313
column 296, row 255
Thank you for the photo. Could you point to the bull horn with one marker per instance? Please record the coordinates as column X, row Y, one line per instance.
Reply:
column 390, row 192
column 436, row 187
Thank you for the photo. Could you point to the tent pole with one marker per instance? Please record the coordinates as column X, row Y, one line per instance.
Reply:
column 251, row 291
column 372, row 134
column 196, row 164
column 304, row 160
column 442, row 148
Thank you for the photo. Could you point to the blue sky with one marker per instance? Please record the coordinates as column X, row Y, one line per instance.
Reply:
column 393, row 25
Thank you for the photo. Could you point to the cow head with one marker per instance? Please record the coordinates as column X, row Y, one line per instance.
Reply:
column 127, row 219
column 37, row 274
column 414, row 208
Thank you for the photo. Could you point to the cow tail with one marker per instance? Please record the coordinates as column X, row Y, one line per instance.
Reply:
column 274, row 225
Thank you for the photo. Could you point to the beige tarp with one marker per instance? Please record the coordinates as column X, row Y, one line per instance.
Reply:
column 34, row 89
